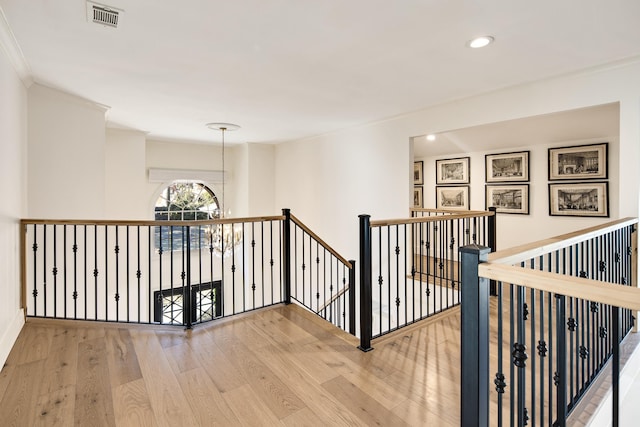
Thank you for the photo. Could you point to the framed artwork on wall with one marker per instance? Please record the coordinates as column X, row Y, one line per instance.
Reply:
column 418, row 173
column 578, row 162
column 418, row 197
column 456, row 198
column 452, row 171
column 513, row 199
column 589, row 199
column 507, row 167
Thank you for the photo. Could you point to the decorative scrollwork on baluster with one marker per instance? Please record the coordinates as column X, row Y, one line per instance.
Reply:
column 603, row 333
column 584, row 352
column 519, row 355
column 500, row 382
column 571, row 324
column 542, row 348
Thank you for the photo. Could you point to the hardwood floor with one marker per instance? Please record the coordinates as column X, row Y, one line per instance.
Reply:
column 277, row 366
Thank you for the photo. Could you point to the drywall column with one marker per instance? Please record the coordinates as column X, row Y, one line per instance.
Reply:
column 66, row 156
column 628, row 171
column 126, row 176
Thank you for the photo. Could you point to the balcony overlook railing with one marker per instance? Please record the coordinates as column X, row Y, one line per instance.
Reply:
column 409, row 268
column 180, row 272
column 561, row 308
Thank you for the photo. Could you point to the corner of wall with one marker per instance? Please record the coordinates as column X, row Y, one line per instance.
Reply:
column 10, row 336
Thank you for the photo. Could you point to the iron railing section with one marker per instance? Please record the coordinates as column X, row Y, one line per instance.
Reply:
column 548, row 344
column 181, row 272
column 412, row 266
column 116, row 271
column 321, row 279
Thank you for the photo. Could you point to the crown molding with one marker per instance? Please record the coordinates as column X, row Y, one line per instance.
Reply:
column 10, row 46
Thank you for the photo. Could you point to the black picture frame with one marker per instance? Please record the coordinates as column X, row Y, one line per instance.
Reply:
column 418, row 172
column 418, row 197
column 506, row 167
column 508, row 199
column 582, row 199
column 579, row 162
column 453, row 171
column 452, row 197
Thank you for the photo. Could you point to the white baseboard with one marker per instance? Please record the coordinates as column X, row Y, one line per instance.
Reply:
column 10, row 335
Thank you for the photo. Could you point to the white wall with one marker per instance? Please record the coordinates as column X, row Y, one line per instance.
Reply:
column 66, row 152
column 260, row 181
column 125, row 176
column 13, row 137
column 328, row 180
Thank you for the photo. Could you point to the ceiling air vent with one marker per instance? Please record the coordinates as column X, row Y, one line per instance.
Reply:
column 102, row 14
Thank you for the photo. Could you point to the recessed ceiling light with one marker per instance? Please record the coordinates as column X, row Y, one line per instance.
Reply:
column 431, row 137
column 479, row 42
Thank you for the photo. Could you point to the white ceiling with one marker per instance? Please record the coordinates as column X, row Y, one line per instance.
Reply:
column 599, row 123
column 288, row 69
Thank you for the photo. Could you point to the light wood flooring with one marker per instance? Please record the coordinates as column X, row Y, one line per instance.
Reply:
column 277, row 366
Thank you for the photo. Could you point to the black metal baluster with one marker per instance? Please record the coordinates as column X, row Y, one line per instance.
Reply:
column 138, row 273
column 499, row 381
column 397, row 268
column 95, row 271
column 404, row 281
column 128, row 281
column 55, row 271
column 253, row 263
column 380, row 279
column 64, row 265
column 561, row 367
column 233, row 273
column 262, row 263
column 520, row 356
column 160, row 305
column 198, row 309
column 244, row 273
column 512, row 341
column 44, row 268
column 532, row 316
column 106, row 273
column 389, row 285
column 271, row 262
column 86, row 249
column 117, row 295
column 75, row 272
column 34, row 247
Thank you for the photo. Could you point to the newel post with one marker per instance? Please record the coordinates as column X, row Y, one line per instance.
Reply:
column 366, row 317
column 286, row 255
column 186, row 289
column 474, row 387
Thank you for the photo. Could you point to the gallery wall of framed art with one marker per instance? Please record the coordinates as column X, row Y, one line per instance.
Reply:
column 521, row 186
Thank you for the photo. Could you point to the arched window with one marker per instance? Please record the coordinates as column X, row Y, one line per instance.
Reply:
column 184, row 201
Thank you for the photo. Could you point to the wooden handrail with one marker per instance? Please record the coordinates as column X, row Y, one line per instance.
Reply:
column 322, row 242
column 528, row 251
column 450, row 216
column 155, row 223
column 577, row 287
column 333, row 298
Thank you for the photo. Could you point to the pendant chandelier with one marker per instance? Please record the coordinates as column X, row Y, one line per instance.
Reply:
column 224, row 237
